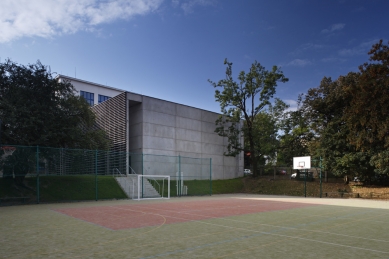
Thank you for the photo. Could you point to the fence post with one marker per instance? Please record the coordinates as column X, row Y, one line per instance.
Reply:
column 210, row 176
column 305, row 183
column 320, row 178
column 37, row 174
column 142, row 178
column 179, row 176
column 96, row 175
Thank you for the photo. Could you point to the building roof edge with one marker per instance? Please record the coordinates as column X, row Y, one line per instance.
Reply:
column 59, row 76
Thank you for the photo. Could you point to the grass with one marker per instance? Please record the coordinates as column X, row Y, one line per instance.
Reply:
column 64, row 188
column 335, row 188
column 77, row 188
column 205, row 187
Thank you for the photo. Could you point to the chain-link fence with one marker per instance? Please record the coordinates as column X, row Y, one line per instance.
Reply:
column 313, row 182
column 42, row 174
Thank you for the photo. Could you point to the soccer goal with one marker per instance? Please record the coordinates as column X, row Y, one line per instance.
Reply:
column 151, row 187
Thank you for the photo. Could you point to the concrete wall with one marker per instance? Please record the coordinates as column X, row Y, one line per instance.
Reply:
column 173, row 129
column 169, row 129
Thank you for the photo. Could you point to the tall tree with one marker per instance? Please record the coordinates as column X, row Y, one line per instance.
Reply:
column 36, row 109
column 296, row 137
column 243, row 101
column 267, row 125
column 324, row 109
column 367, row 114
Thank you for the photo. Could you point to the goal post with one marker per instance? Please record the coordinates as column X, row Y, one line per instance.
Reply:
column 151, row 187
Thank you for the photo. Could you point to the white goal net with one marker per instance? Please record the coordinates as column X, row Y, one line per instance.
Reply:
column 151, row 187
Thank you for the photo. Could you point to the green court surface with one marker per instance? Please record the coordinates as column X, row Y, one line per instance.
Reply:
column 221, row 226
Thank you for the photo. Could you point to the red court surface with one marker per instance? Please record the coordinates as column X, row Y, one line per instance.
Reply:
column 154, row 214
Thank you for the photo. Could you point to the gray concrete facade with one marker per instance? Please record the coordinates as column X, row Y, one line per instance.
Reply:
column 165, row 128
column 160, row 127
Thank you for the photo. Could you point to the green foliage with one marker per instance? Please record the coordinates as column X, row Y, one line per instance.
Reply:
column 349, row 118
column 245, row 100
column 367, row 114
column 266, row 127
column 37, row 109
column 20, row 163
column 324, row 109
column 297, row 138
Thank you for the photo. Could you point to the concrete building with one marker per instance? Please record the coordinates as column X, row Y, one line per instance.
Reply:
column 142, row 124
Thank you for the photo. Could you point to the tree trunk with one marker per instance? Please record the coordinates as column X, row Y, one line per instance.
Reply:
column 253, row 156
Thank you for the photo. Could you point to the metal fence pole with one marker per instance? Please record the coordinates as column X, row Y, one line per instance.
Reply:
column 305, row 183
column 210, row 176
column 179, row 176
column 37, row 174
column 96, row 175
column 320, row 179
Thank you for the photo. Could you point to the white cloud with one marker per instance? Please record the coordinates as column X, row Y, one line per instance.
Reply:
column 27, row 18
column 334, row 27
column 299, row 63
column 361, row 49
column 333, row 59
column 292, row 105
column 351, row 52
column 188, row 5
column 307, row 47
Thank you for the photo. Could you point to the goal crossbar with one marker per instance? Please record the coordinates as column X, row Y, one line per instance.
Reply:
column 151, row 187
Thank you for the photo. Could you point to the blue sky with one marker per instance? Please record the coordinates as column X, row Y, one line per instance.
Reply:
column 168, row 49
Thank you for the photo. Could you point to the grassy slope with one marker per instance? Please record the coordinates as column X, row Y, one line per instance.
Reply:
column 334, row 188
column 64, row 188
column 73, row 188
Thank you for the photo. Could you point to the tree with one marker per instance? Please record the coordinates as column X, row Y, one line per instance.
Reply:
column 346, row 121
column 296, row 139
column 36, row 109
column 243, row 101
column 367, row 114
column 266, row 127
column 325, row 109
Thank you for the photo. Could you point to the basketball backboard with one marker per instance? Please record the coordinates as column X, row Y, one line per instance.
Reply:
column 302, row 162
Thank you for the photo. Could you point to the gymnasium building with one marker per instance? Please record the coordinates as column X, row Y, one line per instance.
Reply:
column 141, row 124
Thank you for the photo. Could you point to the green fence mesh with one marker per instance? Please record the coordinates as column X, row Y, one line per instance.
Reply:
column 42, row 174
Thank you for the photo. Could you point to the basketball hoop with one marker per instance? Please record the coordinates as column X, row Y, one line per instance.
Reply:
column 301, row 163
column 8, row 151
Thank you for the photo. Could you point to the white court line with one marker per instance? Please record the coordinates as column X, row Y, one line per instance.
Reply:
column 286, row 236
column 261, row 224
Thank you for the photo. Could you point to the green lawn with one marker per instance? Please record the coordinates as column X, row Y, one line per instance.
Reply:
column 90, row 187
column 63, row 188
column 205, row 187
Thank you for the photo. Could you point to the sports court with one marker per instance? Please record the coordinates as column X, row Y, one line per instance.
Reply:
column 219, row 226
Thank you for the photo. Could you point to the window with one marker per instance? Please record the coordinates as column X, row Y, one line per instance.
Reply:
column 89, row 97
column 103, row 98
